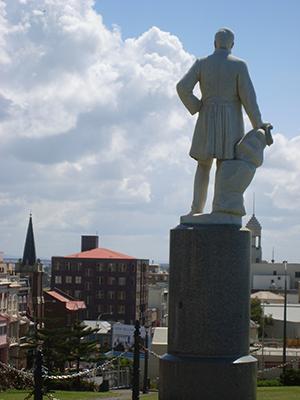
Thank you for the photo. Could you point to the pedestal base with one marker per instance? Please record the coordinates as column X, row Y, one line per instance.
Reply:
column 197, row 378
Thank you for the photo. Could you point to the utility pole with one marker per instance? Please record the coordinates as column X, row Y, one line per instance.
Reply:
column 263, row 339
column 284, row 323
column 136, row 363
column 145, row 385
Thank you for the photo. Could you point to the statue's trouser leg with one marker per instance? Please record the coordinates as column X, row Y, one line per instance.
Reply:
column 201, row 185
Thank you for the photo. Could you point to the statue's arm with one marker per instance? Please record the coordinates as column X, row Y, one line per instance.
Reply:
column 248, row 97
column 185, row 88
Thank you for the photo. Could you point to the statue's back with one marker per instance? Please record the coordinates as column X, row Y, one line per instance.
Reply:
column 219, row 76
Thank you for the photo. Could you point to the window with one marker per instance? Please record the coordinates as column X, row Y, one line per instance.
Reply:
column 101, row 294
column 57, row 279
column 111, row 267
column 88, row 285
column 110, row 309
column 101, row 280
column 3, row 330
column 297, row 274
column 78, row 267
column 88, row 272
column 122, row 267
column 100, row 267
column 68, row 266
column 111, row 295
column 122, row 281
column 111, row 280
column 77, row 279
column 68, row 279
column 56, row 266
column 77, row 294
column 88, row 300
column 257, row 242
column 101, row 308
column 121, row 295
column 121, row 309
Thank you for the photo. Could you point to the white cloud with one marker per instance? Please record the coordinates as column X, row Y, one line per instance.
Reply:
column 93, row 136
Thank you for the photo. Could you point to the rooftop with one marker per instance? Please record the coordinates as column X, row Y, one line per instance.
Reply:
column 72, row 305
column 277, row 311
column 253, row 224
column 267, row 296
column 101, row 253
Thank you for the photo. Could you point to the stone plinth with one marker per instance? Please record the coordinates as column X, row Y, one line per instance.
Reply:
column 208, row 335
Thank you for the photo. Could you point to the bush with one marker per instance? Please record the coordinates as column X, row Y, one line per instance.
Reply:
column 71, row 384
column 268, row 382
column 292, row 377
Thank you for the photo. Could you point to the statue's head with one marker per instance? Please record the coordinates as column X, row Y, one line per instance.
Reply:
column 224, row 39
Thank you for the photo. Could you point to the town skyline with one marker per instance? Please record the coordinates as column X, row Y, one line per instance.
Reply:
column 85, row 160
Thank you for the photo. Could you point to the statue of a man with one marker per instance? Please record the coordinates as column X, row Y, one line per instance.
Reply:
column 225, row 86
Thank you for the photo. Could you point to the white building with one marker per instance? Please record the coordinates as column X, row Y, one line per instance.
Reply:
column 275, row 330
column 270, row 275
column 158, row 303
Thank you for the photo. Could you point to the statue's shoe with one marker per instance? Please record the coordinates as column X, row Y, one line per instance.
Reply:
column 212, row 218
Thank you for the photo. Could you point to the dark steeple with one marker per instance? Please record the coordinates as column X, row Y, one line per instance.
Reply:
column 29, row 257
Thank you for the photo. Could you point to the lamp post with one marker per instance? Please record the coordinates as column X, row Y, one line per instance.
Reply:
column 263, row 338
column 146, row 359
column 284, row 322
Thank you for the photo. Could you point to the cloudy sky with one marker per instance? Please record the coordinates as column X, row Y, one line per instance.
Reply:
column 94, row 139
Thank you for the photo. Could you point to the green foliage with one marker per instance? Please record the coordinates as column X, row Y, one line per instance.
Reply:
column 291, row 378
column 69, row 384
column 256, row 311
column 256, row 314
column 268, row 382
column 61, row 344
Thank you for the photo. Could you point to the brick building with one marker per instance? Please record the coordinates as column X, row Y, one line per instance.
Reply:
column 61, row 308
column 112, row 285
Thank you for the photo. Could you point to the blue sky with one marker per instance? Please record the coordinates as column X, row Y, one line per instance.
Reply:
column 267, row 37
column 93, row 137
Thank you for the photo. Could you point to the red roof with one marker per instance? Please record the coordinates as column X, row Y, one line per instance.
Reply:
column 72, row 305
column 101, row 253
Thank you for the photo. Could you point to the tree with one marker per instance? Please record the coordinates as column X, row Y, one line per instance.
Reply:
column 257, row 315
column 256, row 311
column 62, row 344
column 78, row 344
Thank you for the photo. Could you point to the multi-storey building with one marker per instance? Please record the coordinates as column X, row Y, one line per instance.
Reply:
column 157, row 275
column 270, row 275
column 112, row 285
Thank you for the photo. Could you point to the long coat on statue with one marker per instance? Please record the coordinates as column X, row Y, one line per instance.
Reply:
column 225, row 86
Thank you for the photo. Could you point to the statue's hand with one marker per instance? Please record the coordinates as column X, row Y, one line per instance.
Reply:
column 267, row 127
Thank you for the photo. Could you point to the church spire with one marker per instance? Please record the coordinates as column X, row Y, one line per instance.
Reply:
column 29, row 257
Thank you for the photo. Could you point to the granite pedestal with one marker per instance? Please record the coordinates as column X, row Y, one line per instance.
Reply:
column 208, row 336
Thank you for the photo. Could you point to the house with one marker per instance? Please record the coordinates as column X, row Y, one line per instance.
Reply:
column 61, row 308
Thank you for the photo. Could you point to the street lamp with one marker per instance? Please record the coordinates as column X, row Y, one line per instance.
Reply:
column 284, row 322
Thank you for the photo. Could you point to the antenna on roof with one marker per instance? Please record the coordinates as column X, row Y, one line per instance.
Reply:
column 253, row 203
column 273, row 255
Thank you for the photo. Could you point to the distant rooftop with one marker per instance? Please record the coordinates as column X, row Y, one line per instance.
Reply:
column 277, row 312
column 267, row 296
column 253, row 224
column 101, row 253
column 72, row 305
